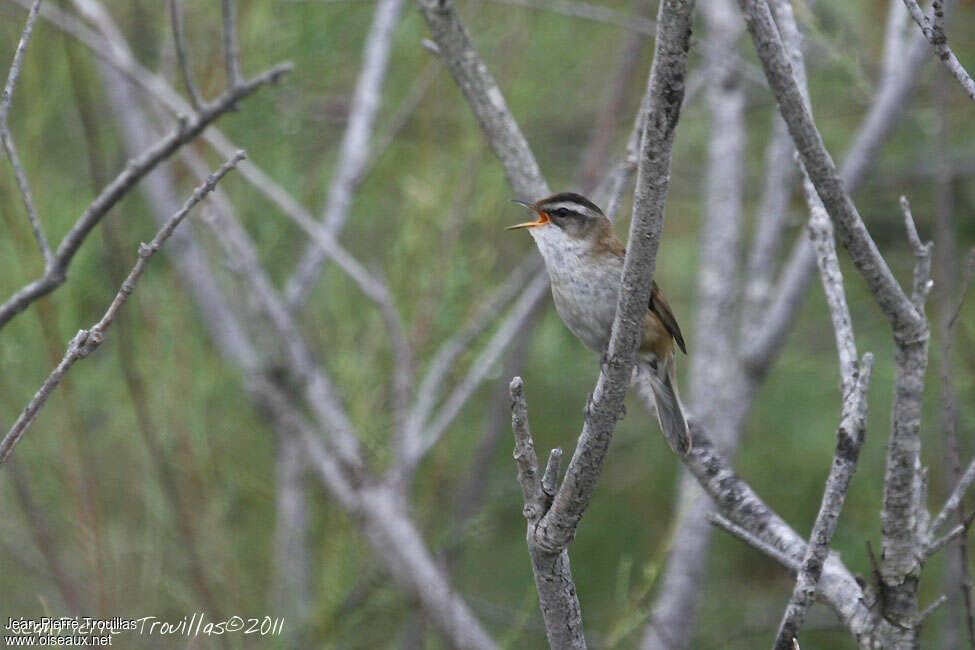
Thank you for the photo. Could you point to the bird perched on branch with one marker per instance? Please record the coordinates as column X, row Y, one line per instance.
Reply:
column 584, row 260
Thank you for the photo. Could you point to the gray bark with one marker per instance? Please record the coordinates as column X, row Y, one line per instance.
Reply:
column 714, row 373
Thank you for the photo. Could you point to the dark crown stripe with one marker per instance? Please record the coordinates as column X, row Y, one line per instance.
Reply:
column 569, row 197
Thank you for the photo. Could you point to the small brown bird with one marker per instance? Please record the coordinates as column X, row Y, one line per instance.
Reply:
column 584, row 260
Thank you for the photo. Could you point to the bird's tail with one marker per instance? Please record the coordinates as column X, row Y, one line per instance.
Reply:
column 670, row 410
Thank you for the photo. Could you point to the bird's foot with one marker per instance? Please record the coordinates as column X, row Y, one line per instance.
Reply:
column 604, row 361
column 587, row 409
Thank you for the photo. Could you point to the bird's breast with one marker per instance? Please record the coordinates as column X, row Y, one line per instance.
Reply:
column 585, row 295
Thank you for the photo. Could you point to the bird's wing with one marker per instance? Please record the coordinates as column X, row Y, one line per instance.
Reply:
column 659, row 306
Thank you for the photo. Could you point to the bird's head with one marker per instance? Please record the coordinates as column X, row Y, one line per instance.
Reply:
column 571, row 213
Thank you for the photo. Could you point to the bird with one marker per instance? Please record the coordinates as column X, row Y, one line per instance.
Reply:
column 584, row 260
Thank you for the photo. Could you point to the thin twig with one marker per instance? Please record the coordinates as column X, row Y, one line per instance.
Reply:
column 821, row 236
column 954, row 501
column 943, row 541
column 445, row 358
column 418, row 446
column 935, row 35
column 484, row 98
column 231, row 50
column 907, row 323
column 885, row 109
column 922, row 255
column 268, row 307
column 7, row 138
column 86, row 341
column 787, row 562
column 18, row 62
column 188, row 129
column 849, row 440
column 354, row 152
column 930, row 609
column 557, row 594
column 737, row 501
column 25, row 193
column 179, row 39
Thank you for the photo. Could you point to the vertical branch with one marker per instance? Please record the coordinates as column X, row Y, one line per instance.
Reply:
column 665, row 92
column 557, row 596
column 7, row 139
column 850, row 435
column 714, row 371
column 18, row 62
column 231, row 50
column 179, row 40
column 821, row 237
column 904, row 319
column 849, row 440
column 354, row 152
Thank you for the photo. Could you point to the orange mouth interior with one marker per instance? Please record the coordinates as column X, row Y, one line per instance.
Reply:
column 542, row 220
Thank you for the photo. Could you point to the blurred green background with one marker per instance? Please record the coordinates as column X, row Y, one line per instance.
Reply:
column 431, row 215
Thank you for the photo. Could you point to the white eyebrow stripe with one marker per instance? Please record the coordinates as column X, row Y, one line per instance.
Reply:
column 573, row 206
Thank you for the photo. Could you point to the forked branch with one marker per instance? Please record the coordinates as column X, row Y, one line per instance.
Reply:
column 86, row 341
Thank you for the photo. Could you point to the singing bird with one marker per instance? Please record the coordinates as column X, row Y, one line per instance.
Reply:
column 584, row 260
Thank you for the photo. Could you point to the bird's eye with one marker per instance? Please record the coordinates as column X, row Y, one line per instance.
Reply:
column 562, row 212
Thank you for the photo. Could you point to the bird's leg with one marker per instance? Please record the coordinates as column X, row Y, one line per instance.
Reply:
column 587, row 409
column 604, row 360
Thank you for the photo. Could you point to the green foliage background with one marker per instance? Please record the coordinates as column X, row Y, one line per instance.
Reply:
column 431, row 214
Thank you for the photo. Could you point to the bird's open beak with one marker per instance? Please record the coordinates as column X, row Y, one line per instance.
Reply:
column 542, row 217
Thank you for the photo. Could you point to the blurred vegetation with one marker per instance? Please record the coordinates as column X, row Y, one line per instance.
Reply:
column 431, row 214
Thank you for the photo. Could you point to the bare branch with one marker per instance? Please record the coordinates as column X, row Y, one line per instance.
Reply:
column 954, row 501
column 770, row 223
column 447, row 354
column 242, row 258
column 381, row 517
column 484, row 97
column 525, row 457
column 354, row 152
column 188, row 129
column 714, row 375
column 22, row 184
column 231, row 49
column 420, row 442
column 849, row 440
column 944, row 540
column 934, row 32
column 739, row 503
column 821, row 236
column 665, row 91
column 557, row 596
column 887, row 106
column 922, row 255
column 930, row 609
column 894, row 35
column 176, row 19
column 905, row 320
column 550, row 480
column 787, row 562
column 86, row 341
column 18, row 62
column 7, row 138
